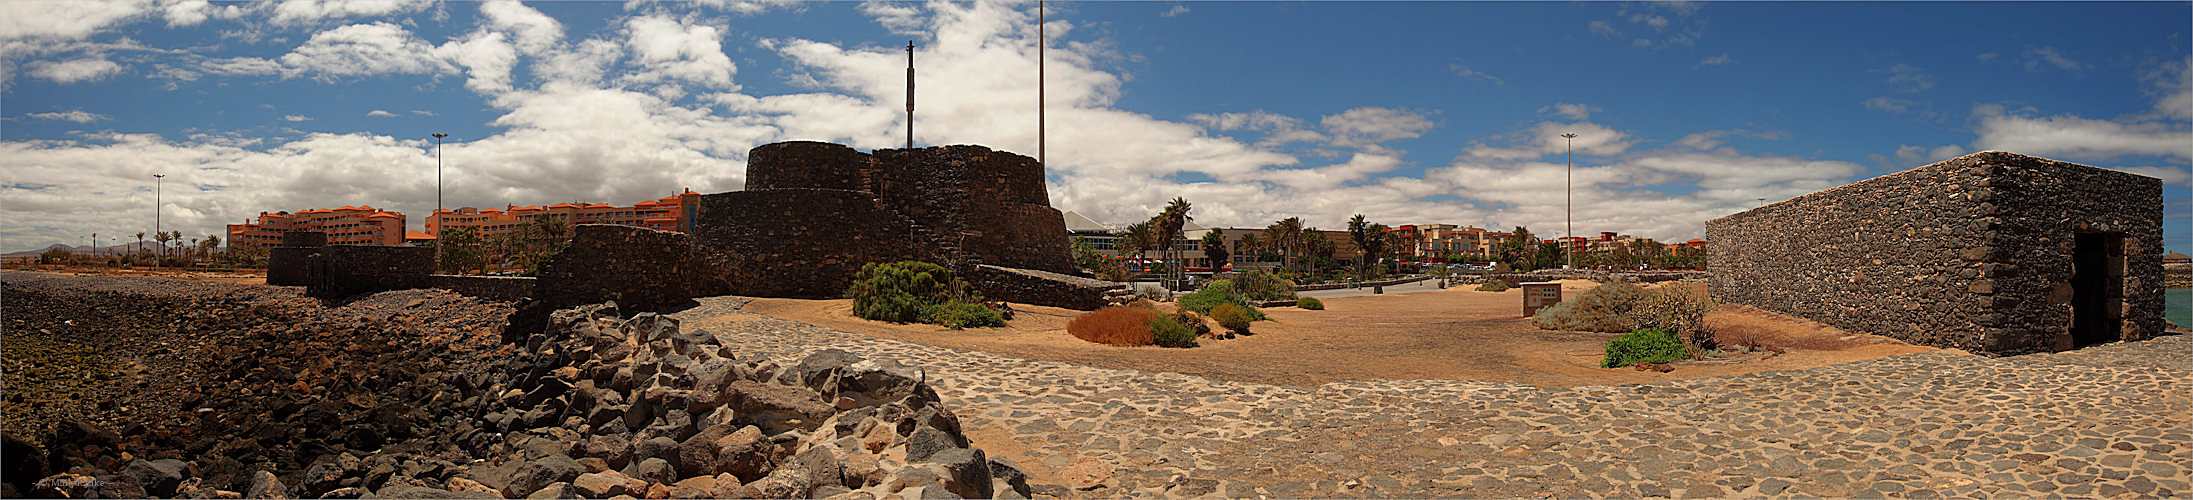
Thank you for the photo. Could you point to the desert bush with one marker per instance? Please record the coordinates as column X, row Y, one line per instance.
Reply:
column 1605, row 308
column 1259, row 285
column 1215, row 294
column 1678, row 310
column 1122, row 326
column 1193, row 321
column 1233, row 317
column 1642, row 346
column 1310, row 303
column 1493, row 286
column 957, row 315
column 1168, row 333
column 914, row 291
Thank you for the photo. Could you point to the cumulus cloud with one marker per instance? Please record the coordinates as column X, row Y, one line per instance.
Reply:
column 1713, row 138
column 673, row 49
column 1176, row 11
column 296, row 118
column 536, row 32
column 380, row 114
column 2038, row 56
column 1372, row 125
column 1545, row 139
column 1470, row 74
column 73, row 71
column 305, row 12
column 2072, row 136
column 362, row 50
column 1577, row 112
column 74, row 115
column 64, row 20
column 1906, row 78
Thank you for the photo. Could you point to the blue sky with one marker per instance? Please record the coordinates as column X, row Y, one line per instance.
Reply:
column 1412, row 112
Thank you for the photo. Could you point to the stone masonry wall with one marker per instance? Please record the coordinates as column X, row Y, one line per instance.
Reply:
column 805, row 165
column 498, row 288
column 638, row 268
column 290, row 263
column 342, row 270
column 1041, row 288
column 2038, row 207
column 791, row 242
column 1927, row 255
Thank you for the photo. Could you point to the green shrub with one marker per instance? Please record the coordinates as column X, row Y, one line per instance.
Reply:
column 911, row 291
column 1215, row 294
column 1192, row 320
column 1259, row 285
column 1233, row 317
column 1310, row 303
column 1676, row 309
column 1493, row 286
column 1169, row 333
column 1606, row 308
column 957, row 315
column 1642, row 346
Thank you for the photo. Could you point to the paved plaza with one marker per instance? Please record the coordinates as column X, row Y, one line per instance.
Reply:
column 2110, row 421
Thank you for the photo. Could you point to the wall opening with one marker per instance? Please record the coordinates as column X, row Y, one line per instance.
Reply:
column 2097, row 288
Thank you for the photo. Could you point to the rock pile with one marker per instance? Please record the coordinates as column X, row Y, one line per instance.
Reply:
column 415, row 394
column 650, row 411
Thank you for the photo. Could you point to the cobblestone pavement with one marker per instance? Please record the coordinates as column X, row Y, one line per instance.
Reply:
column 2112, row 421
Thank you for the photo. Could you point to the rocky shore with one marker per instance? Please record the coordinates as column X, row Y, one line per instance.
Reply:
column 134, row 387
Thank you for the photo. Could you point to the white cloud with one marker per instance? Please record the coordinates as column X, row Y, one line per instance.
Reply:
column 670, row 49
column 1466, row 73
column 185, row 13
column 1719, row 60
column 424, row 112
column 902, row 19
column 63, row 20
column 1889, row 104
column 487, row 58
column 1545, row 139
column 1368, row 126
column 380, row 113
column 1605, row 29
column 1176, row 11
column 1908, row 156
column 302, row 12
column 1577, row 112
column 1713, row 138
column 2034, row 58
column 74, row 115
column 2171, row 176
column 77, row 70
column 363, row 50
column 536, row 32
column 296, row 118
column 2072, row 136
column 1906, row 78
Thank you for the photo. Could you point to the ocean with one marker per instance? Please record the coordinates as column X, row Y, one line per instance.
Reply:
column 2178, row 306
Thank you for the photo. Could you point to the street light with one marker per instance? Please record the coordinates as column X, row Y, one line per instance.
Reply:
column 1570, row 246
column 436, row 217
column 156, row 180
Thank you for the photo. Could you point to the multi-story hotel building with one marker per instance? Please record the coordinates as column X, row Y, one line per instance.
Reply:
column 670, row 213
column 344, row 226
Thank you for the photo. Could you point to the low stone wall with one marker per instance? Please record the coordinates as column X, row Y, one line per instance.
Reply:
column 804, row 243
column 350, row 270
column 2177, row 275
column 497, row 288
column 1043, row 288
column 1337, row 286
column 638, row 268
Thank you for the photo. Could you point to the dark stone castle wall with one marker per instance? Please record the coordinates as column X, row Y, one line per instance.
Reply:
column 2039, row 205
column 342, row 270
column 792, row 242
column 1939, row 255
column 1024, row 236
column 640, row 269
column 1041, row 288
column 805, row 165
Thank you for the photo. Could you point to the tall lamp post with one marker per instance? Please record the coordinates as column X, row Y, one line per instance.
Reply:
column 156, row 179
column 435, row 218
column 1570, row 246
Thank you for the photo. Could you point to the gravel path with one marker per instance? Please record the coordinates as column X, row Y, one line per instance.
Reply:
column 2100, row 422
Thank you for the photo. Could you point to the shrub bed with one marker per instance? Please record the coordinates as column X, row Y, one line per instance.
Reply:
column 914, row 291
column 1642, row 346
column 1310, row 303
column 1493, row 286
column 1217, row 293
column 1166, row 332
column 1121, row 326
column 1233, row 317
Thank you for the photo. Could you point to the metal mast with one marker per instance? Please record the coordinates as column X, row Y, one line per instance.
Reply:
column 909, row 94
column 1040, row 42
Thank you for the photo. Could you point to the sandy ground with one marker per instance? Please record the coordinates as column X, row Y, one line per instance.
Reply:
column 1454, row 334
column 244, row 276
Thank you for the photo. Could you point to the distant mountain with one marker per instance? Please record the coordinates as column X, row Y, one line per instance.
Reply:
column 122, row 248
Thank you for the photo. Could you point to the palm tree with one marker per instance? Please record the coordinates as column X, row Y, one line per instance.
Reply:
column 1214, row 250
column 1286, row 236
column 1141, row 237
column 162, row 239
column 1169, row 223
column 208, row 245
column 1359, row 231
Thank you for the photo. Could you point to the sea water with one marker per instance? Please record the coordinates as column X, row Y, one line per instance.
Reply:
column 2178, row 306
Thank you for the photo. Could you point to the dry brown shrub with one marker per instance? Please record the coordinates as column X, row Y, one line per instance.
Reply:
column 1121, row 326
column 1741, row 325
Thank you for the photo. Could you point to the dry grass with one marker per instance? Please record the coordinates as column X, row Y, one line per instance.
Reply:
column 1741, row 325
column 1121, row 326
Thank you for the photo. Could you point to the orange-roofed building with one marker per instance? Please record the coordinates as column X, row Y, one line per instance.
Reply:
column 362, row 225
column 670, row 213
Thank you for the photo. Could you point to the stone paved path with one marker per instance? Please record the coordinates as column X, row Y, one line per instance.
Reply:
column 2115, row 421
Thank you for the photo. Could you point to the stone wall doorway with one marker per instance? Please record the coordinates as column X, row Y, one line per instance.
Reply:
column 2097, row 288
